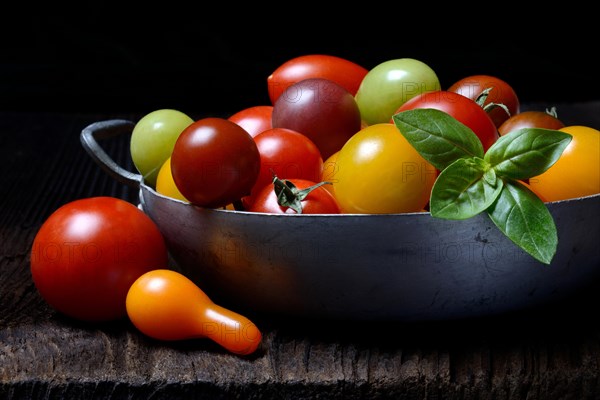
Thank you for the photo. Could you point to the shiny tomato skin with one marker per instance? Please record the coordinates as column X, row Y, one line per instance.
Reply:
column 530, row 119
column 214, row 162
column 165, row 184
column 254, row 119
column 166, row 305
column 501, row 92
column 379, row 172
column 460, row 107
column 322, row 110
column 390, row 84
column 153, row 138
column 287, row 154
column 344, row 72
column 87, row 254
column 318, row 201
column 330, row 170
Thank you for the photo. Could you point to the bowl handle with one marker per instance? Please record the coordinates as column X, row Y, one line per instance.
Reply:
column 104, row 130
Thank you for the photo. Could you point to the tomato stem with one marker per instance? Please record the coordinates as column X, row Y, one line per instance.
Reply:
column 490, row 106
column 288, row 195
column 552, row 112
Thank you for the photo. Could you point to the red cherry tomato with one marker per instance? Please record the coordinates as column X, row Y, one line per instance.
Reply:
column 460, row 107
column 287, row 154
column 253, row 119
column 214, row 162
column 318, row 201
column 500, row 93
column 344, row 72
column 87, row 254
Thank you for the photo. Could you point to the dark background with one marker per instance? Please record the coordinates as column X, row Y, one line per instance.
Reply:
column 97, row 59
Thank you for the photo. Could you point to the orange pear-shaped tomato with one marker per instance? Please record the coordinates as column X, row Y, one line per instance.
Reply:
column 166, row 305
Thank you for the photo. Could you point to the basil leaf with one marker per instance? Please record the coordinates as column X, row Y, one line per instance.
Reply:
column 525, row 220
column 440, row 138
column 526, row 152
column 462, row 191
column 490, row 176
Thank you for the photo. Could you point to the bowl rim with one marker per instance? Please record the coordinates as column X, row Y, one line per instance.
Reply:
column 143, row 185
column 91, row 134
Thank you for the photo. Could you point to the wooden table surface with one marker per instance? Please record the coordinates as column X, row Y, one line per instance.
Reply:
column 552, row 352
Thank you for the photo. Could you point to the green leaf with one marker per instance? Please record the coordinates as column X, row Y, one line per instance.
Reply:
column 440, row 138
column 464, row 189
column 526, row 152
column 525, row 220
column 471, row 181
column 490, row 176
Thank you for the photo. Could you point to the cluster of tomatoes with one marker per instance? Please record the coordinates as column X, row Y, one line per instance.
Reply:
column 327, row 141
column 326, row 144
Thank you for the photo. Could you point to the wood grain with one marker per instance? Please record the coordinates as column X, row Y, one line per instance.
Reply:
column 545, row 353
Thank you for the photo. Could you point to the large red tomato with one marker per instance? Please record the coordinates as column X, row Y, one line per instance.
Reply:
column 89, row 252
column 460, row 107
column 344, row 72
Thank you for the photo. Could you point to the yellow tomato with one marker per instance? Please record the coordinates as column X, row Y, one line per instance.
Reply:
column 535, row 191
column 329, row 172
column 378, row 172
column 165, row 184
column 577, row 171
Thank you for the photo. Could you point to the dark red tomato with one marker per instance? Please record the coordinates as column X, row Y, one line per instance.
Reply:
column 254, row 119
column 531, row 119
column 214, row 162
column 322, row 110
column 346, row 73
column 88, row 253
column 318, row 201
column 500, row 93
column 287, row 154
column 460, row 107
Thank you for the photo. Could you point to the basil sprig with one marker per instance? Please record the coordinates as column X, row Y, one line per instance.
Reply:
column 471, row 181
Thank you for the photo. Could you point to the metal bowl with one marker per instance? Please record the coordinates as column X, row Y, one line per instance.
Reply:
column 398, row 267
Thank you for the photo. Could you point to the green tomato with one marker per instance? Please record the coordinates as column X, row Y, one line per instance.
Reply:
column 153, row 139
column 390, row 84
